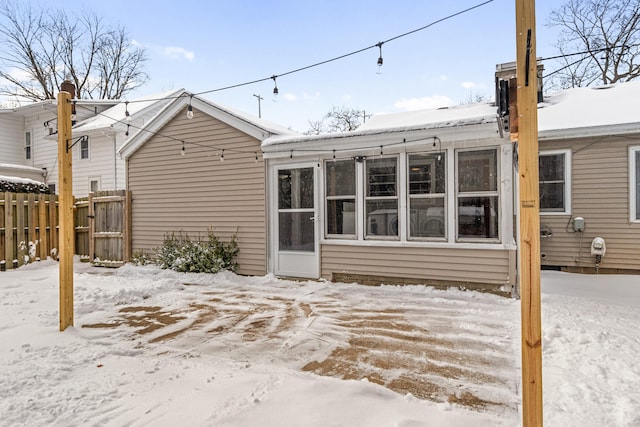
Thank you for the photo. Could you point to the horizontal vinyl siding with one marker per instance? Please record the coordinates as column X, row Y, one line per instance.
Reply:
column 12, row 139
column 447, row 264
column 190, row 193
column 599, row 194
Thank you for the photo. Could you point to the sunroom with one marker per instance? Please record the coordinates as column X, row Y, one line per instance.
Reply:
column 423, row 197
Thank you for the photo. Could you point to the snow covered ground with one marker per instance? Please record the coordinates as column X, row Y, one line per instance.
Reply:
column 154, row 347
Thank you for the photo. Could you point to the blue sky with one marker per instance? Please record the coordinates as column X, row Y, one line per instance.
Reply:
column 204, row 45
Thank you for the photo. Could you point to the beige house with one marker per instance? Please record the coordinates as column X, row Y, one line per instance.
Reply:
column 423, row 197
column 589, row 141
column 189, row 174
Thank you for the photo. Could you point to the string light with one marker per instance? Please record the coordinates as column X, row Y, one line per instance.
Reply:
column 380, row 60
column 127, row 132
column 127, row 116
column 73, row 116
column 222, row 156
column 183, row 152
column 334, row 154
column 256, row 157
column 275, row 88
column 190, row 109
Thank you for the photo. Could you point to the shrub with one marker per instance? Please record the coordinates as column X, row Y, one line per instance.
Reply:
column 181, row 254
column 140, row 258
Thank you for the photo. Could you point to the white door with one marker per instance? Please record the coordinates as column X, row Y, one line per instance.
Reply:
column 296, row 241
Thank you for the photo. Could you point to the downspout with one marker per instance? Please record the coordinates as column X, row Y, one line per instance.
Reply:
column 115, row 165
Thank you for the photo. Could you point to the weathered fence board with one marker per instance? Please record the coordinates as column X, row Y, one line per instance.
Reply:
column 25, row 223
column 102, row 227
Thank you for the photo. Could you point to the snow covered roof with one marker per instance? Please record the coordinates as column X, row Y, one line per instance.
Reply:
column 590, row 111
column 256, row 127
column 381, row 124
column 108, row 119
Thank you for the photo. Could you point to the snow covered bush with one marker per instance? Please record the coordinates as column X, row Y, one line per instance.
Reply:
column 181, row 254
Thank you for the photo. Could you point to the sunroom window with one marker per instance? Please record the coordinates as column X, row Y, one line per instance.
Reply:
column 634, row 187
column 340, row 188
column 427, row 184
column 477, row 207
column 381, row 197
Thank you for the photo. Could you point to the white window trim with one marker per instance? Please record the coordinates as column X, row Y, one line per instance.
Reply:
column 97, row 179
column 496, row 193
column 397, row 198
column 567, row 181
column 326, row 198
column 80, row 151
column 632, row 185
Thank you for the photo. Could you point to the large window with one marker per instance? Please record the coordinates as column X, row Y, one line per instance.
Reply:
column 427, row 185
column 341, row 197
column 555, row 173
column 381, row 197
column 634, row 183
column 478, row 207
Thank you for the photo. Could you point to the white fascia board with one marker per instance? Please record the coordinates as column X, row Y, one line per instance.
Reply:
column 593, row 131
column 392, row 141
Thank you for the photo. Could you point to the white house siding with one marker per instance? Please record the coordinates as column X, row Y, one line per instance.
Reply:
column 103, row 164
column 422, row 265
column 600, row 194
column 191, row 193
column 44, row 152
column 12, row 139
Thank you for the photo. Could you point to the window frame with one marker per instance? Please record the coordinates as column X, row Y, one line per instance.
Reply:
column 567, row 180
column 634, row 195
column 28, row 146
column 367, row 198
column 355, row 197
column 478, row 194
column 427, row 196
column 82, row 149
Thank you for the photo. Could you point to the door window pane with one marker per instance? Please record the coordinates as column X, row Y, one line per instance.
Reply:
column 295, row 188
column 296, row 231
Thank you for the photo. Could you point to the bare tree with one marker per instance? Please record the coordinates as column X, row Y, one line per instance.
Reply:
column 340, row 119
column 42, row 48
column 607, row 31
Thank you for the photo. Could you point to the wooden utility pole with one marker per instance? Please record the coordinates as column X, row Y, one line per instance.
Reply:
column 65, row 204
column 526, row 71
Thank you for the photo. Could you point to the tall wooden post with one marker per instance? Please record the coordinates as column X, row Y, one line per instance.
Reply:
column 65, row 205
column 526, row 70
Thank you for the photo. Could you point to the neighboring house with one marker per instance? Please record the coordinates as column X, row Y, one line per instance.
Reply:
column 28, row 142
column 589, row 142
column 418, row 197
column 187, row 175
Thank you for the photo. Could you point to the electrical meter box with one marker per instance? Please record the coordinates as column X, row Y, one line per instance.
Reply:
column 578, row 224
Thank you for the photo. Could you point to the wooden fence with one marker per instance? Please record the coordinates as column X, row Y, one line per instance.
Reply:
column 28, row 228
column 102, row 228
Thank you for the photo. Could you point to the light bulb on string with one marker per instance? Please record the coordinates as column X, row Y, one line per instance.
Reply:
column 127, row 132
column 190, row 109
column 183, row 152
column 127, row 116
column 73, row 116
column 380, row 60
column 256, row 157
column 275, row 88
column 222, row 156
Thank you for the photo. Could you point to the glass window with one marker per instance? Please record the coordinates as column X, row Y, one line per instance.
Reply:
column 341, row 197
column 27, row 145
column 477, row 207
column 634, row 181
column 84, row 148
column 553, row 171
column 427, row 183
column 381, row 198
column 296, row 210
